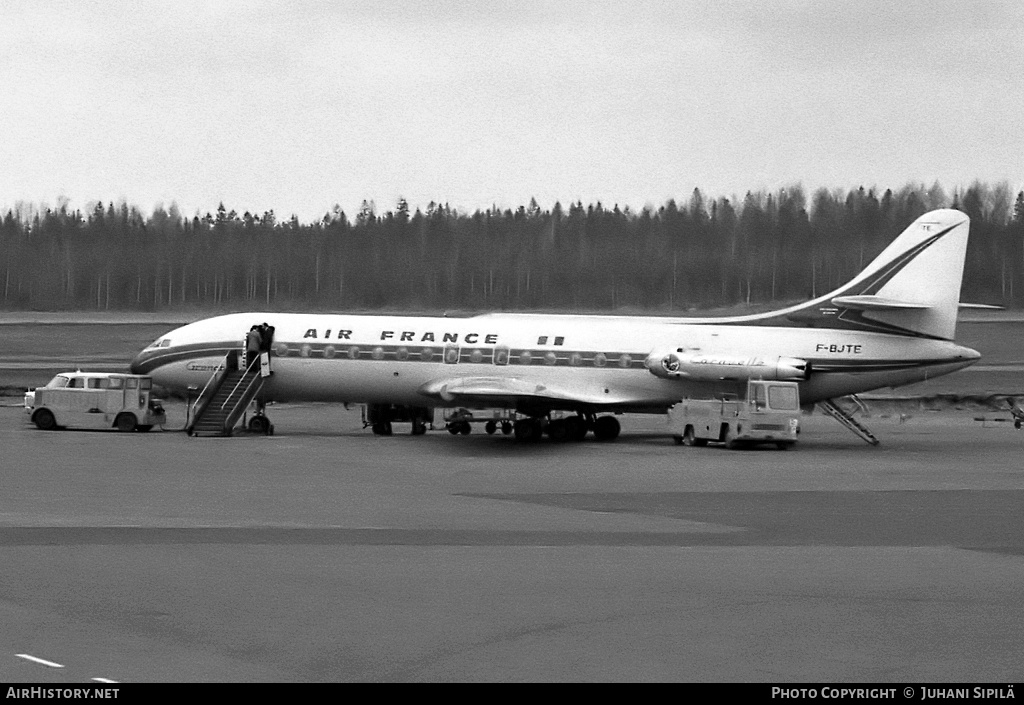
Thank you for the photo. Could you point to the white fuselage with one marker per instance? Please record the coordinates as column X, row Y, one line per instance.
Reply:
column 387, row 359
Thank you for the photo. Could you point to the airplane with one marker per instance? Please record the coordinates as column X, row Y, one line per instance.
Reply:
column 893, row 324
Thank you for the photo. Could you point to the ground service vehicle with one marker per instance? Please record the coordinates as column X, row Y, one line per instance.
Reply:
column 458, row 421
column 1018, row 413
column 768, row 413
column 100, row 400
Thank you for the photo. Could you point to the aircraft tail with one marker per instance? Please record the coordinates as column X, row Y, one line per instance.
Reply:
column 912, row 288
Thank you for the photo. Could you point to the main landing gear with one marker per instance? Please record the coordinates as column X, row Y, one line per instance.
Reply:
column 570, row 428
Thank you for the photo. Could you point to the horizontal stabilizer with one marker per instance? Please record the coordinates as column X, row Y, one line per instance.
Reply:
column 982, row 307
column 870, row 302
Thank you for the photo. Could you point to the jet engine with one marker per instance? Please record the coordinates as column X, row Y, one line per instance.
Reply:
column 711, row 368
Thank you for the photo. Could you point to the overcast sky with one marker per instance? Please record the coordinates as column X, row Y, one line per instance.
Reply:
column 297, row 106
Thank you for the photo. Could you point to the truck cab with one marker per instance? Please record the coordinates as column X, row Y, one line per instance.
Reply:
column 765, row 412
column 97, row 400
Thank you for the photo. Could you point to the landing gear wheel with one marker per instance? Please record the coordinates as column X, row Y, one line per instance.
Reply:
column 126, row 423
column 528, row 430
column 557, row 430
column 490, row 427
column 606, row 428
column 45, row 420
column 259, row 424
column 465, row 428
column 576, row 428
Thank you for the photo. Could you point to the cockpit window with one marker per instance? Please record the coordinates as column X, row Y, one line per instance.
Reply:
column 159, row 343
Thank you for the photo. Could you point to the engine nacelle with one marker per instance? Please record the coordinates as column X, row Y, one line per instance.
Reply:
column 712, row 368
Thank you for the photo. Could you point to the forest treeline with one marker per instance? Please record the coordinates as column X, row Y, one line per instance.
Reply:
column 778, row 246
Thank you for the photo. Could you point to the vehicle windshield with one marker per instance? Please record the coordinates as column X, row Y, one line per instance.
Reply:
column 58, row 382
column 782, row 398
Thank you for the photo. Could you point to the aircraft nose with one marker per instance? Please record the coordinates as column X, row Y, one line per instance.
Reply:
column 138, row 364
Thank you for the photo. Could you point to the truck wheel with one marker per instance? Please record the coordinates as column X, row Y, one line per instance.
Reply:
column 688, row 438
column 126, row 423
column 44, row 420
column 490, row 427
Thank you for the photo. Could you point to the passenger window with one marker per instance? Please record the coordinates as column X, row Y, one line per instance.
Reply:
column 77, row 383
column 93, row 383
column 146, row 384
column 132, row 383
column 116, row 383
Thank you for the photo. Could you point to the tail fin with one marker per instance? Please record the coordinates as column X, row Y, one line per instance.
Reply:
column 914, row 284
column 912, row 288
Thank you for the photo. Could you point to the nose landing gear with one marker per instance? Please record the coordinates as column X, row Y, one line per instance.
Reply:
column 259, row 423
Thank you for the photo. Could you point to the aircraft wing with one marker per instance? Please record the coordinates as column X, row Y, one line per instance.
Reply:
column 514, row 391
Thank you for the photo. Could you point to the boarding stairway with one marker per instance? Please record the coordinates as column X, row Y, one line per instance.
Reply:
column 830, row 407
column 225, row 398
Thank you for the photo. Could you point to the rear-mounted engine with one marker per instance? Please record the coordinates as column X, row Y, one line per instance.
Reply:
column 701, row 367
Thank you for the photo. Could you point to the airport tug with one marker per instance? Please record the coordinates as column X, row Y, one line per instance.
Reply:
column 767, row 412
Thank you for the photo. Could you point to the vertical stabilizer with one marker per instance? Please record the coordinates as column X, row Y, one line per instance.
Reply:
column 912, row 288
column 914, row 283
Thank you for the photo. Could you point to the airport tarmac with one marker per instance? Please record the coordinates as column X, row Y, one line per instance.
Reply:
column 324, row 553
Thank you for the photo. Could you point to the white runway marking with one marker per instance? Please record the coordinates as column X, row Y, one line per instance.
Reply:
column 29, row 657
column 104, row 680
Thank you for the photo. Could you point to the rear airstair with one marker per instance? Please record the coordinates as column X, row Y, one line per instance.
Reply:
column 830, row 407
column 225, row 398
